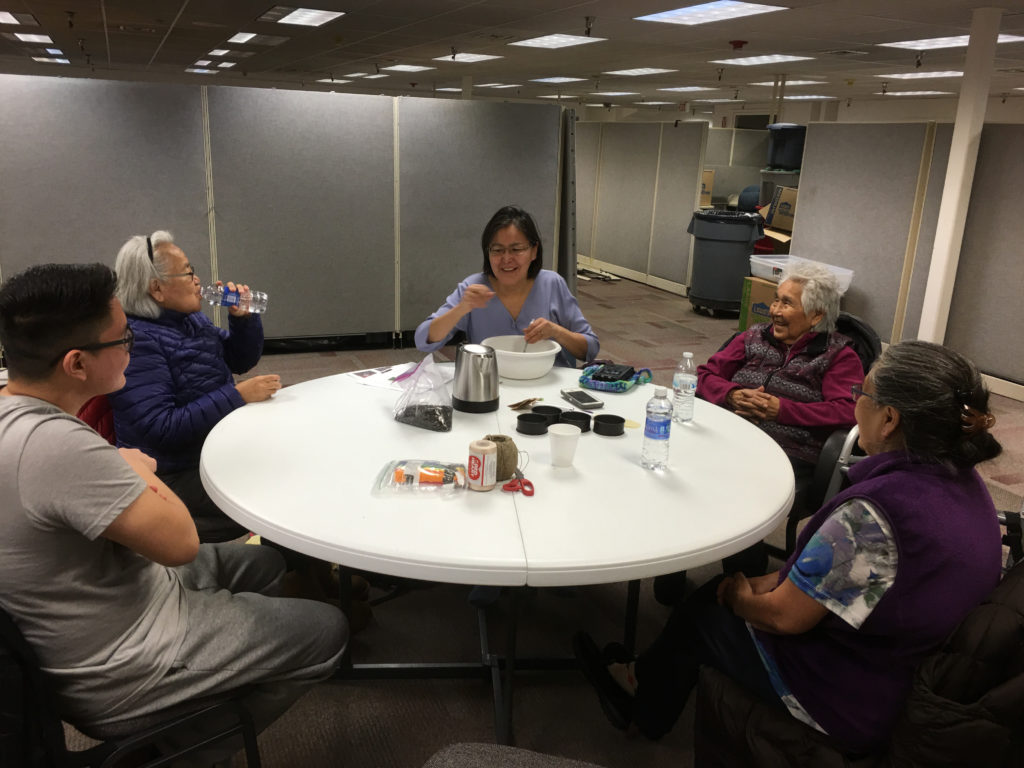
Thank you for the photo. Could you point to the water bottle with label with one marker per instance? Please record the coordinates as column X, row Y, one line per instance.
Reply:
column 255, row 302
column 654, row 454
column 684, row 386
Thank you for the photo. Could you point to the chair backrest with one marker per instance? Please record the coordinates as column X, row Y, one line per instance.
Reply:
column 98, row 414
column 866, row 343
column 31, row 733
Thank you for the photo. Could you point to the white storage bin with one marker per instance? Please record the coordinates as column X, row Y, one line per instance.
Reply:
column 771, row 267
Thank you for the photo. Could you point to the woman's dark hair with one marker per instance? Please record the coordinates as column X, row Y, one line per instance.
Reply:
column 942, row 401
column 50, row 308
column 512, row 215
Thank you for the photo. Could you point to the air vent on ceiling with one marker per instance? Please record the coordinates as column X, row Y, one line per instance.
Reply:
column 493, row 38
column 134, row 29
column 1015, row 70
column 841, row 52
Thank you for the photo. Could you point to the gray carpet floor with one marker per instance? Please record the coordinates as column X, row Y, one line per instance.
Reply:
column 400, row 723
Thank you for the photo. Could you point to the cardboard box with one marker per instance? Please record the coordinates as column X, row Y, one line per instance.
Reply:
column 782, row 211
column 780, row 241
column 757, row 297
column 707, row 183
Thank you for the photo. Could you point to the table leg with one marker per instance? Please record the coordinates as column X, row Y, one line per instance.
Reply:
column 345, row 602
column 632, row 607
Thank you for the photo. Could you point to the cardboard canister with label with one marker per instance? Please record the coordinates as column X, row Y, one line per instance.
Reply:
column 482, row 467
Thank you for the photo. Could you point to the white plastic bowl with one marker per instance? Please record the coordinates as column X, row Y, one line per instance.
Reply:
column 514, row 363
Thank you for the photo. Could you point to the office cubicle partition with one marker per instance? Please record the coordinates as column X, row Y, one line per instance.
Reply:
column 357, row 214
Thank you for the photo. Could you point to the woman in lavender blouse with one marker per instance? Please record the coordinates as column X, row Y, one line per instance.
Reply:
column 512, row 295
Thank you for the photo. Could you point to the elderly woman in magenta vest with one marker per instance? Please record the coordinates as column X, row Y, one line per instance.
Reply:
column 880, row 576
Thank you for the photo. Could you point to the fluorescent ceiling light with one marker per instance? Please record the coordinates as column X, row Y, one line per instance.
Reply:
column 203, row 63
column 332, row 81
column 467, row 58
column 914, row 93
column 558, row 41
column 556, row 96
column 557, row 80
column 718, row 101
column 488, row 85
column 710, row 12
column 55, row 51
column 26, row 38
column 640, row 71
column 770, row 84
column 807, row 97
column 226, row 64
column 242, row 37
column 753, row 61
column 920, row 75
column 306, row 17
column 357, row 74
column 654, row 103
column 8, row 18
column 219, row 52
column 932, row 43
column 378, row 76
column 200, row 71
column 50, row 60
column 507, row 85
column 593, row 105
column 449, row 90
column 688, row 89
column 614, row 93
column 407, row 68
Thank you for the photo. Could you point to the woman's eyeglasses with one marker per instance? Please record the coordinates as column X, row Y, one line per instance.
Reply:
column 515, row 250
column 190, row 274
column 857, row 393
column 128, row 341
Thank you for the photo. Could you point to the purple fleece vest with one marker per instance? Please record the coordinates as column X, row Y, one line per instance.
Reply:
column 854, row 682
column 795, row 373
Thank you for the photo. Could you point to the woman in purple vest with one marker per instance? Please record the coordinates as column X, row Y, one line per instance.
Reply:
column 881, row 574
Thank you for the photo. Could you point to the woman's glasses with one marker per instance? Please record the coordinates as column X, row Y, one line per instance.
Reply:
column 857, row 393
column 515, row 250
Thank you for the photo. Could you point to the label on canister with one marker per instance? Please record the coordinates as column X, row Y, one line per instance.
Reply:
column 482, row 467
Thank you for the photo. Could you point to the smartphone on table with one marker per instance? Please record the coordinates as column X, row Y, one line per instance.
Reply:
column 581, row 399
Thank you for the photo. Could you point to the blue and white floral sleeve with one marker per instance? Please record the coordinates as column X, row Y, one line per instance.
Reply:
column 850, row 561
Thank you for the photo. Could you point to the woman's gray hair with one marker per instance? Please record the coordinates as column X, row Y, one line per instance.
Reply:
column 820, row 291
column 135, row 270
column 942, row 401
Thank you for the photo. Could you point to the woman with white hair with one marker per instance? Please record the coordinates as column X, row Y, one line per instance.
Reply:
column 792, row 378
column 179, row 380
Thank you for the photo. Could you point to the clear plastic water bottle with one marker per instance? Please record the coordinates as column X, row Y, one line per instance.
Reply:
column 255, row 302
column 654, row 454
column 684, row 387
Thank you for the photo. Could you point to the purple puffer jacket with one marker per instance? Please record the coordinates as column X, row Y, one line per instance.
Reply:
column 179, row 383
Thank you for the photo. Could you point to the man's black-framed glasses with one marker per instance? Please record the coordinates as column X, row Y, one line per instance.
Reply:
column 128, row 341
column 857, row 393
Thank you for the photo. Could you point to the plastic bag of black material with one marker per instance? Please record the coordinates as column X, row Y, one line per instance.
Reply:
column 426, row 400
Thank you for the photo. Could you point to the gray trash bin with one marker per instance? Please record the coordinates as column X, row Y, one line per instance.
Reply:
column 722, row 244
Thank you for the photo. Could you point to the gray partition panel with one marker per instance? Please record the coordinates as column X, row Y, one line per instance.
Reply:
column 588, row 140
column 857, row 188
column 750, row 148
column 732, row 179
column 460, row 161
column 625, row 194
column 984, row 319
column 719, row 149
column 678, row 186
column 88, row 163
column 929, row 222
column 305, row 206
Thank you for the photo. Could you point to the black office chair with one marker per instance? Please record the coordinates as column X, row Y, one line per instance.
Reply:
column 32, row 733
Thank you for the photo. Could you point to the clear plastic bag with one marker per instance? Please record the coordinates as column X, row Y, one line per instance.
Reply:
column 426, row 400
column 416, row 475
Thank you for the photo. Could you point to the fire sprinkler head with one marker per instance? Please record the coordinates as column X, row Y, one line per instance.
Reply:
column 737, row 44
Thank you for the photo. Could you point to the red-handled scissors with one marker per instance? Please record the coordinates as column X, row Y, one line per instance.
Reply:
column 519, row 483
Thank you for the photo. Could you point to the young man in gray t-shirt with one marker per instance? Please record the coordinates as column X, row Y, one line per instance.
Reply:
column 100, row 564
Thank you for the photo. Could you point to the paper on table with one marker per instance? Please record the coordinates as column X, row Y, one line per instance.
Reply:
column 383, row 377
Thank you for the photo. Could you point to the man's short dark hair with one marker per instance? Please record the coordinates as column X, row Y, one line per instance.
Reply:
column 50, row 308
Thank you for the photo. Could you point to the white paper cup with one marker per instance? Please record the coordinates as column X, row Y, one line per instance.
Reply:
column 563, row 443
